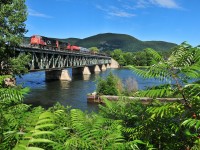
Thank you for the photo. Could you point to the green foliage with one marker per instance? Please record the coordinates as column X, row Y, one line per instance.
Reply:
column 38, row 133
column 13, row 14
column 162, row 123
column 117, row 54
column 93, row 132
column 147, row 57
column 12, row 113
column 182, row 65
column 157, row 91
column 12, row 17
column 19, row 64
column 109, row 86
column 94, row 49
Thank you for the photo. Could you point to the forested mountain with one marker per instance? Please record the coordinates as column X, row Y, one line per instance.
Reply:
column 71, row 40
column 111, row 41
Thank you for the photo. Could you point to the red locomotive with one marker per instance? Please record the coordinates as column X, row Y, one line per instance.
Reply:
column 51, row 43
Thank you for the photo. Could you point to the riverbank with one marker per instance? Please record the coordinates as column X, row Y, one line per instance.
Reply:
column 93, row 98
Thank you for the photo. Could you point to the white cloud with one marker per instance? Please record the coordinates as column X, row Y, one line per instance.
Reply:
column 125, row 8
column 142, row 3
column 114, row 11
column 120, row 13
column 165, row 3
column 35, row 13
column 135, row 4
column 62, row 0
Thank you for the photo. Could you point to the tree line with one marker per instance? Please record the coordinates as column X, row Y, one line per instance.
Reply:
column 140, row 58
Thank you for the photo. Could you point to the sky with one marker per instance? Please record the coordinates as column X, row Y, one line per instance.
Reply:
column 173, row 21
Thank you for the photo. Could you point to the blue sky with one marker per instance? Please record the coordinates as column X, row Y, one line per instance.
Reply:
column 161, row 20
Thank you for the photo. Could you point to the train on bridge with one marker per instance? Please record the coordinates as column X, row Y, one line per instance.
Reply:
column 42, row 42
column 51, row 54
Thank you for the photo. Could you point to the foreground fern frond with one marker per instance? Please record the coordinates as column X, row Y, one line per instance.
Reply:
column 39, row 133
column 156, row 92
column 192, row 123
column 93, row 132
column 169, row 109
column 9, row 95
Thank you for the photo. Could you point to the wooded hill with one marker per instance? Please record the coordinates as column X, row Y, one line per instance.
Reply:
column 111, row 41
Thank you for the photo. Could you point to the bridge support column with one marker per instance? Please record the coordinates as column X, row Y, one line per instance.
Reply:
column 108, row 66
column 81, row 70
column 57, row 75
column 97, row 69
column 103, row 68
column 86, row 71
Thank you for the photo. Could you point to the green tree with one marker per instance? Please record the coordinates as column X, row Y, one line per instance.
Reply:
column 117, row 54
column 149, row 56
column 129, row 58
column 109, row 86
column 13, row 14
column 140, row 58
column 94, row 49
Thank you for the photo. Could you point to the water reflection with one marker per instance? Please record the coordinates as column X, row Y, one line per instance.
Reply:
column 64, row 84
column 86, row 77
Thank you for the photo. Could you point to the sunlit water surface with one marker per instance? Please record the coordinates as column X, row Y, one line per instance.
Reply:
column 72, row 93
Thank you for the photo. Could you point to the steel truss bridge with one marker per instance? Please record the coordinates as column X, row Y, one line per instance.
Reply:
column 43, row 59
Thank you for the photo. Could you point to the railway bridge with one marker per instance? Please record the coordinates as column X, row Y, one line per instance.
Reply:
column 55, row 62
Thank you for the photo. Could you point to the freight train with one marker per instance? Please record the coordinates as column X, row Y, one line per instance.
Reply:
column 37, row 41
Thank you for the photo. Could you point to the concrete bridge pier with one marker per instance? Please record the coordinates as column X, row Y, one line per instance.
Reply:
column 81, row 70
column 86, row 71
column 97, row 69
column 57, row 75
column 108, row 66
column 94, row 69
column 103, row 68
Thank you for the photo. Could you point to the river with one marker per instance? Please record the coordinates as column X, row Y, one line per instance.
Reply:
column 72, row 93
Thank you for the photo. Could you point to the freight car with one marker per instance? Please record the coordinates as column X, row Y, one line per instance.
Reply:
column 43, row 42
column 73, row 47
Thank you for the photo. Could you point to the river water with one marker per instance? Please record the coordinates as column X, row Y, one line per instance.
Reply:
column 72, row 93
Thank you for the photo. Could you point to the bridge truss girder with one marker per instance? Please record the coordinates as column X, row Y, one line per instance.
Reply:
column 49, row 60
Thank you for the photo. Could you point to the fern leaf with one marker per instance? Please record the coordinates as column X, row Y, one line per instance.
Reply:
column 168, row 110
column 46, row 115
column 192, row 123
column 42, row 121
column 39, row 140
column 34, row 148
column 192, row 89
column 49, row 125
column 36, row 133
